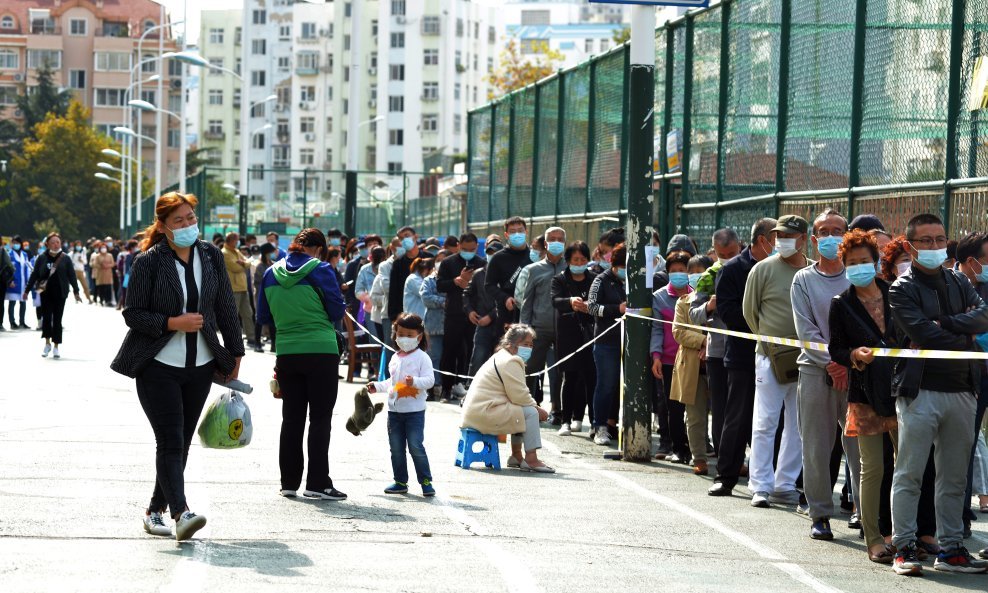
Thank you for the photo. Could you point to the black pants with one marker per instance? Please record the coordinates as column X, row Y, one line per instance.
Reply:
column 738, row 411
column 717, row 380
column 308, row 383
column 104, row 295
column 674, row 437
column 457, row 350
column 577, row 389
column 172, row 399
column 52, row 308
column 258, row 328
column 10, row 312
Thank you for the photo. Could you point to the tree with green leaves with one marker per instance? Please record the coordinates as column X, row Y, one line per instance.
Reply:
column 46, row 98
column 517, row 69
column 622, row 35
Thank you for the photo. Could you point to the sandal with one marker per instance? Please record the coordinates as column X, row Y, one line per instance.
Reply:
column 885, row 556
column 540, row 469
column 513, row 461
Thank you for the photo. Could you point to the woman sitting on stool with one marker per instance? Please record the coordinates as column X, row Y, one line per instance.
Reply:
column 499, row 402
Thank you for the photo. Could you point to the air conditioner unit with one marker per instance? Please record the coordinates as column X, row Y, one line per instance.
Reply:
column 401, row 20
column 18, row 113
column 176, row 84
column 18, row 77
column 372, row 71
column 372, row 103
column 310, row 137
column 324, row 32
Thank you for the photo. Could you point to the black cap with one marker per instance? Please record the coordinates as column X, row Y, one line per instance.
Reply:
column 866, row 222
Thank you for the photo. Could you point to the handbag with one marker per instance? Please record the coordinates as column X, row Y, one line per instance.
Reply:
column 43, row 282
column 783, row 361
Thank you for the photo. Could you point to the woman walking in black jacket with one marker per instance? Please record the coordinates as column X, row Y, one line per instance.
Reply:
column 178, row 298
column 607, row 303
column 570, row 291
column 53, row 275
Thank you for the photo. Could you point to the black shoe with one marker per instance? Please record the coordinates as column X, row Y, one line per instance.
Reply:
column 821, row 530
column 3, row 329
column 854, row 522
column 663, row 452
column 23, row 326
column 555, row 419
column 720, row 489
column 258, row 348
column 612, row 431
column 327, row 494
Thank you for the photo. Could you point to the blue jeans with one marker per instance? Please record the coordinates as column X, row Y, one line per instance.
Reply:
column 408, row 427
column 483, row 347
column 979, row 417
column 607, row 358
column 436, row 354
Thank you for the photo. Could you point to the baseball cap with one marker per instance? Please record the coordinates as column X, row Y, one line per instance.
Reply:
column 790, row 223
column 866, row 222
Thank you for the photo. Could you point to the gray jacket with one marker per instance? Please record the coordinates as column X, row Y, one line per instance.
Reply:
column 537, row 310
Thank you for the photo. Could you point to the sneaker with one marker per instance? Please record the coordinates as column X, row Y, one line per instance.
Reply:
column 803, row 509
column 327, row 494
column 259, row 349
column 564, row 430
column 602, row 438
column 854, row 522
column 906, row 562
column 288, row 493
column 46, row 351
column 984, row 553
column 188, row 523
column 576, row 426
column 555, row 419
column 821, row 530
column 760, row 500
column 663, row 452
column 959, row 560
column 459, row 390
column 397, row 488
column 788, row 498
column 154, row 523
column 427, row 488
column 54, row 353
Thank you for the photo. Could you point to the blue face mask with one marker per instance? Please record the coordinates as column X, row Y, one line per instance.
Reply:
column 556, row 248
column 534, row 255
column 517, row 240
column 524, row 352
column 577, row 269
column 334, row 242
column 467, row 255
column 408, row 244
column 604, row 264
column 827, row 246
column 621, row 273
column 17, row 247
column 185, row 237
column 679, row 279
column 694, row 280
column 931, row 259
column 982, row 276
column 861, row 275
column 363, row 253
column 400, row 253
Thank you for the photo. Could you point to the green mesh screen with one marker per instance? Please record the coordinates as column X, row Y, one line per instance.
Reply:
column 502, row 160
column 605, row 170
column 972, row 130
column 478, row 190
column 524, row 154
column 576, row 114
column 660, row 96
column 548, row 130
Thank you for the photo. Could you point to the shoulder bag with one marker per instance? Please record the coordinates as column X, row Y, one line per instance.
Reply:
column 783, row 361
column 43, row 282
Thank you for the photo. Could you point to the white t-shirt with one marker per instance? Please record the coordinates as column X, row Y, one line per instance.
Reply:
column 79, row 261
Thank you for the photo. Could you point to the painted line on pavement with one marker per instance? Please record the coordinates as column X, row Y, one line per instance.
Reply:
column 778, row 559
column 513, row 571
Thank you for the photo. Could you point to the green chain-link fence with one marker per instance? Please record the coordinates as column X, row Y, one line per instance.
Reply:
column 762, row 107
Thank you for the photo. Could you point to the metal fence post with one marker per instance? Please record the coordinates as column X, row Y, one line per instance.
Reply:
column 305, row 201
column 953, row 103
column 511, row 155
column 625, row 135
column 782, row 129
column 687, row 115
column 725, row 75
column 560, row 141
column 857, row 101
column 666, row 206
column 471, row 138
column 536, row 145
column 591, row 136
column 492, row 179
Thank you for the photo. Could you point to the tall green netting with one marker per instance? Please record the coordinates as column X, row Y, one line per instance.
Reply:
column 548, row 130
column 576, row 114
column 972, row 129
column 605, row 170
column 478, row 190
column 502, row 160
column 524, row 153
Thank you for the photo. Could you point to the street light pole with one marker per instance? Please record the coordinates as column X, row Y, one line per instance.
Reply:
column 159, row 117
column 244, row 101
column 353, row 124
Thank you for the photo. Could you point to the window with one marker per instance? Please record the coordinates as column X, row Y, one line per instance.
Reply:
column 307, row 125
column 259, row 47
column 459, row 27
column 7, row 22
column 534, row 17
column 308, row 30
column 394, row 168
column 397, row 40
column 149, row 96
column 430, row 123
column 8, row 95
column 77, row 79
column 109, row 98
column 284, row 95
column 175, row 103
column 491, row 35
column 284, row 63
column 397, row 72
column 307, row 157
column 216, row 36
column 257, row 140
column 215, row 97
column 475, row 95
column 329, row 126
column 257, row 174
column 174, row 138
column 329, row 165
column 430, row 91
column 396, row 137
column 10, row 59
column 236, row 98
column 431, row 57
column 475, row 68
column 458, row 60
column 236, row 66
column 373, row 60
column 53, row 57
column 329, row 93
column 307, row 60
column 284, row 128
column 257, row 78
column 148, row 25
column 373, row 92
column 397, row 7
column 346, row 106
column 374, row 27
column 238, row 35
column 260, row 17
column 307, row 93
column 430, row 25
column 456, row 91
column 78, row 27
column 285, row 32
column 347, row 10
column 476, row 30
column 149, row 66
column 215, row 128
column 236, row 158
column 396, row 103
column 457, row 123
column 215, row 65
column 490, row 65
column 282, row 156
column 346, row 75
column 604, row 44
column 329, row 63
column 588, row 46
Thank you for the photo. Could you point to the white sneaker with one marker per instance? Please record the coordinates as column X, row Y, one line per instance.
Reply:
column 46, row 351
column 602, row 438
column 188, row 524
column 154, row 523
column 564, row 431
column 576, row 426
column 288, row 493
column 54, row 353
column 459, row 390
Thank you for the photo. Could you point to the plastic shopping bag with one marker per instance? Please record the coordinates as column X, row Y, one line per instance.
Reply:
column 226, row 424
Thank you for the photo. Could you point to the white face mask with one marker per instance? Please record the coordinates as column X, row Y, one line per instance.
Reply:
column 786, row 247
column 722, row 261
column 407, row 344
column 102, row 249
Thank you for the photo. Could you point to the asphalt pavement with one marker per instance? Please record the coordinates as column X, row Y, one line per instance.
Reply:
column 77, row 470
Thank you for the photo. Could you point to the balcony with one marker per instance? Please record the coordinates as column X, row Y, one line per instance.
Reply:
column 113, row 30
column 41, row 28
column 306, row 39
column 214, row 135
column 306, row 70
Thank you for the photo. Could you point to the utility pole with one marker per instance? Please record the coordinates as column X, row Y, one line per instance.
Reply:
column 353, row 121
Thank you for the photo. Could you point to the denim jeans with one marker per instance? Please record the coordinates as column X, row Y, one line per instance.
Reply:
column 607, row 358
column 436, row 354
column 408, row 428
column 483, row 347
column 979, row 417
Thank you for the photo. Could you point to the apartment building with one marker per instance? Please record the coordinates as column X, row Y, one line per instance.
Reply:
column 93, row 49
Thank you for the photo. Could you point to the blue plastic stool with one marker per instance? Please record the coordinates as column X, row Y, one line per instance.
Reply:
column 489, row 454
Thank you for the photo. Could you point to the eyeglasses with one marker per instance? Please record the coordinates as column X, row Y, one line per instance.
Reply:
column 928, row 242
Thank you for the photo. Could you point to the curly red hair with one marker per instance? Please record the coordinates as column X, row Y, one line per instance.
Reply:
column 855, row 239
column 893, row 251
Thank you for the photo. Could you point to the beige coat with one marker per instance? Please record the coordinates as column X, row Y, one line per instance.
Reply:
column 686, row 370
column 495, row 407
column 103, row 270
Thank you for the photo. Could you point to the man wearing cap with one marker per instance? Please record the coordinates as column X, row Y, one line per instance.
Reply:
column 768, row 310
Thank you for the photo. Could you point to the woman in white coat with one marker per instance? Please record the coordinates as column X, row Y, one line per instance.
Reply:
column 15, row 291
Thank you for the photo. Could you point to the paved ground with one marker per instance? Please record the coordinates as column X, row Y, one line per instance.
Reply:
column 76, row 471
